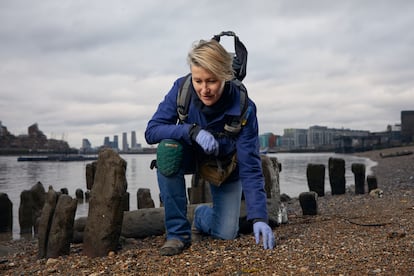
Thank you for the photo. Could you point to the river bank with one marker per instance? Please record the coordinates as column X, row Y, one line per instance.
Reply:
column 351, row 235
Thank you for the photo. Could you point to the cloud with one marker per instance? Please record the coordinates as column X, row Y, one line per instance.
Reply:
column 99, row 68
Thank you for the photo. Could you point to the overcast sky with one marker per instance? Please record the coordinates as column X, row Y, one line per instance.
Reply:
column 90, row 69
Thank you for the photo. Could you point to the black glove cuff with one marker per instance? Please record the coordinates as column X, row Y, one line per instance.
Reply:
column 193, row 132
column 259, row 219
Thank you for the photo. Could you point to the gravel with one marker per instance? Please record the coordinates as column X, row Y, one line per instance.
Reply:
column 351, row 235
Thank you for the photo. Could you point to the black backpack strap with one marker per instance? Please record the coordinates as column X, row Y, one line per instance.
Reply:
column 240, row 55
column 236, row 123
column 183, row 99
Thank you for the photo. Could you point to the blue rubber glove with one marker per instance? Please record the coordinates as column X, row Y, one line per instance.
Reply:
column 263, row 228
column 207, row 141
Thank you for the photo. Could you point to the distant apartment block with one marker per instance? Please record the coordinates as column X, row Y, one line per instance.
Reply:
column 407, row 126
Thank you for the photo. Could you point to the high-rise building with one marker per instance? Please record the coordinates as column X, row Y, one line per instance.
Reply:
column 115, row 145
column 124, row 142
column 107, row 142
column 133, row 139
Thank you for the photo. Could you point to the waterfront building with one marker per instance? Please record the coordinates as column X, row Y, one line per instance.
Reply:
column 125, row 146
column 294, row 139
column 407, row 126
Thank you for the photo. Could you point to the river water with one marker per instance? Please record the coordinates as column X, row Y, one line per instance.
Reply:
column 18, row 176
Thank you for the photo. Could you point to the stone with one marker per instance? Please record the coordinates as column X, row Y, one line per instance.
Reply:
column 105, row 216
column 6, row 213
column 308, row 203
column 337, row 175
column 144, row 199
column 315, row 174
column 61, row 230
column 358, row 170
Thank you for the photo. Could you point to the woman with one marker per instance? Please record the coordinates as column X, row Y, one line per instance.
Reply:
column 215, row 99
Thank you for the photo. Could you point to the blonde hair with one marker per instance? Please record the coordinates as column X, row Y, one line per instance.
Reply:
column 212, row 56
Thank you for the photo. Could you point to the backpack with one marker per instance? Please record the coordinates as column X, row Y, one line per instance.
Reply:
column 234, row 125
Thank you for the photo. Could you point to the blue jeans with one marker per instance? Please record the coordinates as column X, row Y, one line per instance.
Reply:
column 220, row 221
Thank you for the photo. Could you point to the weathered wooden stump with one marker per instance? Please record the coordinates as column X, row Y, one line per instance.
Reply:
column 6, row 213
column 90, row 174
column 308, row 203
column 337, row 175
column 105, row 216
column 30, row 208
column 61, row 229
column 199, row 191
column 359, row 175
column 45, row 221
column 144, row 199
column 372, row 182
column 315, row 174
column 79, row 194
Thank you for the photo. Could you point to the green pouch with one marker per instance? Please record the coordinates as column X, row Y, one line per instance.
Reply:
column 169, row 156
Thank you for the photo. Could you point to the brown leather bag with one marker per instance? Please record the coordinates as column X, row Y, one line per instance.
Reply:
column 217, row 171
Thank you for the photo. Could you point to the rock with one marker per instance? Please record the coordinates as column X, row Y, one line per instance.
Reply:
column 104, row 223
column 376, row 193
column 285, row 197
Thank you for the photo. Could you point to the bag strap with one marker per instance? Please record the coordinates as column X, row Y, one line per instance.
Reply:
column 183, row 99
column 237, row 122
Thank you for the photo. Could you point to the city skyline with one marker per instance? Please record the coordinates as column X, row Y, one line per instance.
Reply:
column 90, row 69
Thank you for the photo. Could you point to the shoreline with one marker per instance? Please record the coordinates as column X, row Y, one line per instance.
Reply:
column 352, row 235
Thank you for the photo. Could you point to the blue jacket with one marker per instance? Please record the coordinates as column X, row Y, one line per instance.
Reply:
column 163, row 125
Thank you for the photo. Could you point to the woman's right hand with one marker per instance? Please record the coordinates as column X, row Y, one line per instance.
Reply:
column 207, row 141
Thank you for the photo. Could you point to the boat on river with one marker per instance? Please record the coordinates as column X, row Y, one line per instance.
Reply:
column 57, row 158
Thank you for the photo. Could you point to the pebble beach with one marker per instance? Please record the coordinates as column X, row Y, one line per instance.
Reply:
column 351, row 235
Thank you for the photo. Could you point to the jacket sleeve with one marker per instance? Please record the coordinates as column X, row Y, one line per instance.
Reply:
column 250, row 168
column 163, row 124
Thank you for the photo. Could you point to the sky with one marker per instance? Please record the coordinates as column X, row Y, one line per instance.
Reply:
column 96, row 68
